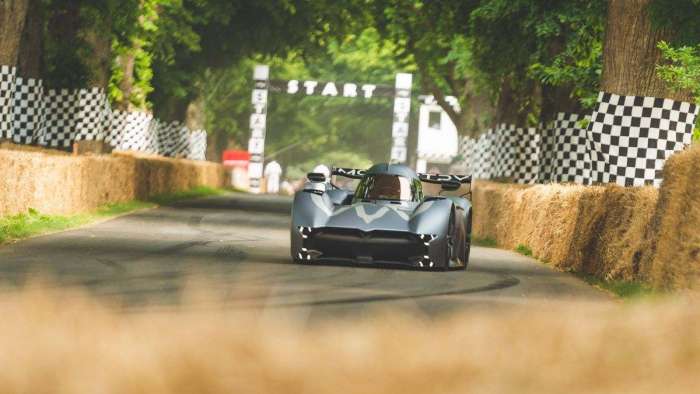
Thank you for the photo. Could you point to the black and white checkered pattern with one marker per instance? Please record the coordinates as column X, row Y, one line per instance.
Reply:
column 93, row 115
column 627, row 141
column 571, row 160
column 171, row 137
column 7, row 89
column 139, row 133
column 630, row 137
column 547, row 143
column 180, row 143
column 28, row 110
column 198, row 145
column 504, row 151
column 482, row 156
column 60, row 108
column 527, row 159
column 56, row 118
column 117, row 125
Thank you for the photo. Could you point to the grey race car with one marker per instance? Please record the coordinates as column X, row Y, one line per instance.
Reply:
column 386, row 220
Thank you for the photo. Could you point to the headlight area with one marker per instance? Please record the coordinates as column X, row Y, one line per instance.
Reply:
column 304, row 231
column 305, row 253
column 425, row 261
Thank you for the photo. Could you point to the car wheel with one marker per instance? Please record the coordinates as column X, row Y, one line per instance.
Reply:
column 467, row 242
column 450, row 244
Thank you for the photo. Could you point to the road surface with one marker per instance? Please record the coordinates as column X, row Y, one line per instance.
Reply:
column 236, row 246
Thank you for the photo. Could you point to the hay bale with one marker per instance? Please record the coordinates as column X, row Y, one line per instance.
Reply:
column 65, row 184
column 672, row 258
column 595, row 230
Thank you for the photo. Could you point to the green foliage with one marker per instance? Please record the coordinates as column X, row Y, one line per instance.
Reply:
column 432, row 35
column 197, row 192
column 621, row 288
column 121, row 208
column 524, row 250
column 34, row 223
column 345, row 158
column 301, row 127
column 682, row 71
column 485, row 242
column 680, row 17
column 558, row 43
column 68, row 30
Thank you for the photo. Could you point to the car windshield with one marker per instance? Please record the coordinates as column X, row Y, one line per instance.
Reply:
column 385, row 187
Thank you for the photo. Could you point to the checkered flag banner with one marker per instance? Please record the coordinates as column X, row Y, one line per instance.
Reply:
column 133, row 131
column 527, row 157
column 60, row 109
column 565, row 157
column 7, row 91
column 503, row 151
column 481, row 156
column 198, row 145
column 175, row 139
column 627, row 141
column 56, row 118
column 630, row 137
column 28, row 110
column 93, row 116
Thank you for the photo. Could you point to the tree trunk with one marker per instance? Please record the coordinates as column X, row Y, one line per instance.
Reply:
column 13, row 14
column 507, row 106
column 556, row 99
column 217, row 142
column 32, row 44
column 172, row 108
column 126, row 62
column 630, row 54
column 478, row 112
column 99, row 60
column 194, row 119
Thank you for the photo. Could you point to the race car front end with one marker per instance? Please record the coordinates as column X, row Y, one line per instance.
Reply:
column 382, row 247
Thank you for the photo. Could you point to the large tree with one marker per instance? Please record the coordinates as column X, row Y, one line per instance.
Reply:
column 545, row 56
column 631, row 51
column 433, row 35
column 12, row 17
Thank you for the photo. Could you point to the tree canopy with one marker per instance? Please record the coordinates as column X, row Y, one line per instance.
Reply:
column 513, row 61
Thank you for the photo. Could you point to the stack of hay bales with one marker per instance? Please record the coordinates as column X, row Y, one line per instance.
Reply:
column 641, row 234
column 672, row 258
column 62, row 184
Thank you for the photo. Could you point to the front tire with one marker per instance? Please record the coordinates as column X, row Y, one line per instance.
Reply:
column 449, row 246
column 467, row 245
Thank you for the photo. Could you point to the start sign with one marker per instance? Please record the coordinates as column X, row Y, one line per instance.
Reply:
column 401, row 94
column 329, row 88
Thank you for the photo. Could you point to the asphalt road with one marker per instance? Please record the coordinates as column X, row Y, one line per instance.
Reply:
column 236, row 248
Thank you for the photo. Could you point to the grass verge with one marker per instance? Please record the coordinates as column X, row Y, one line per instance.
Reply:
column 197, row 192
column 524, row 250
column 484, row 242
column 621, row 288
column 32, row 222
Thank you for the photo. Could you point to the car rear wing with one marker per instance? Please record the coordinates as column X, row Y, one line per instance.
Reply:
column 352, row 173
column 442, row 179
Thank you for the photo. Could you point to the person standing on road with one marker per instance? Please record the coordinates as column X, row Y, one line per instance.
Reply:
column 273, row 170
